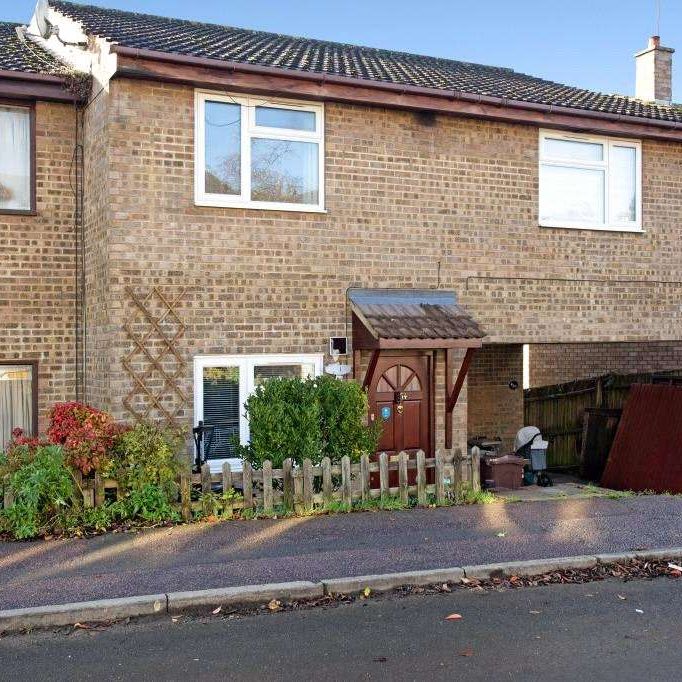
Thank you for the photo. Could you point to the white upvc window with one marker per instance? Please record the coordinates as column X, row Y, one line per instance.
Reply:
column 252, row 152
column 222, row 384
column 590, row 182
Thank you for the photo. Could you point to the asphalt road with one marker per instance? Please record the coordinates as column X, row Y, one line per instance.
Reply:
column 595, row 631
column 202, row 556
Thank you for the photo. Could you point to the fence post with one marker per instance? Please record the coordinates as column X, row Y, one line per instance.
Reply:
column 475, row 468
column 207, row 506
column 364, row 476
column 346, row 490
column 8, row 493
column 247, row 485
column 402, row 477
column 440, row 483
column 185, row 495
column 99, row 490
column 288, row 483
column 267, row 486
column 327, row 493
column 457, row 461
column 298, row 490
column 307, row 485
column 227, row 487
column 421, row 477
column 383, row 474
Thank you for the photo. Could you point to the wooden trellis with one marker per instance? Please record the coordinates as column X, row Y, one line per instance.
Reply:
column 170, row 386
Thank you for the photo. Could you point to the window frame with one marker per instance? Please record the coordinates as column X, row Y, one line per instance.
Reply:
column 33, row 364
column 246, row 365
column 607, row 143
column 31, row 107
column 250, row 131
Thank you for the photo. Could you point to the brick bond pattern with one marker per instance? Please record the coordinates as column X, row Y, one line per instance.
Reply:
column 37, row 303
column 404, row 194
column 566, row 362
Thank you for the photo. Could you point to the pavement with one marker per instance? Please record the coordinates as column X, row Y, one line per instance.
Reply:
column 205, row 556
column 609, row 630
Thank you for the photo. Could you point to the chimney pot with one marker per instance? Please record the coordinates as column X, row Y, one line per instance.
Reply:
column 654, row 72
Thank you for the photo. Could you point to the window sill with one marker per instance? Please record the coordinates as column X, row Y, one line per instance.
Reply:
column 593, row 228
column 18, row 211
column 257, row 206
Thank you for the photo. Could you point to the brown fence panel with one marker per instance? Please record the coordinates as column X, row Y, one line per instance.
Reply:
column 559, row 410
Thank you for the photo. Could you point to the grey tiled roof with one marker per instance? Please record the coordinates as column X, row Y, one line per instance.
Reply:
column 304, row 54
column 15, row 56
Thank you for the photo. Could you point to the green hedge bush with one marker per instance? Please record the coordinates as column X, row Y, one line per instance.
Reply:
column 307, row 419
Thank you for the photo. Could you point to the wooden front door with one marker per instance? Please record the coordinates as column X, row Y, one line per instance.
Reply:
column 399, row 399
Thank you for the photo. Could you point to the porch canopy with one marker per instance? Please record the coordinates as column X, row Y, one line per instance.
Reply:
column 427, row 319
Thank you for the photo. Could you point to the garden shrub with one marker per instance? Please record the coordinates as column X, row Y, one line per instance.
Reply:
column 43, row 487
column 86, row 433
column 145, row 464
column 343, row 414
column 307, row 419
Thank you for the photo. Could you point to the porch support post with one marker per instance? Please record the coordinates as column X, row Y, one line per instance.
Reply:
column 452, row 392
column 370, row 370
column 356, row 364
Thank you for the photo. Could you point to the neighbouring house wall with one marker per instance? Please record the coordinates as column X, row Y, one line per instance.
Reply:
column 557, row 363
column 37, row 302
column 98, row 186
column 411, row 202
column 496, row 410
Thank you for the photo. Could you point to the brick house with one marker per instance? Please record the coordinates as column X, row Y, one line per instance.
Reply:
column 248, row 197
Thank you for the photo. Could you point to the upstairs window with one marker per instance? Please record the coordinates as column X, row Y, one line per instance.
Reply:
column 590, row 182
column 16, row 147
column 255, row 153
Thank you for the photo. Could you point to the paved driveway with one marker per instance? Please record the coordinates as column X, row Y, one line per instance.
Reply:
column 248, row 552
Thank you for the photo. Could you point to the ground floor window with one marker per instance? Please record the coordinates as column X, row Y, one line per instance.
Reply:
column 222, row 383
column 18, row 394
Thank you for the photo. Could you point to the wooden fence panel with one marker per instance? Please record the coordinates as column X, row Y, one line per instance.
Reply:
column 383, row 474
column 402, row 477
column 421, row 477
column 288, row 483
column 558, row 410
column 346, row 482
column 267, row 487
column 364, row 478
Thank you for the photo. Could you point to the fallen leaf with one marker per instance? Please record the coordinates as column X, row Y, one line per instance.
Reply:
column 639, row 611
column 535, row 613
column 467, row 652
column 454, row 616
column 501, row 534
column 465, row 581
column 366, row 592
column 175, row 620
column 215, row 612
column 274, row 605
column 622, row 597
column 446, row 588
column 675, row 567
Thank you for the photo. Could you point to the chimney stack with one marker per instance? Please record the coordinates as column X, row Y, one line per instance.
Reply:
column 654, row 81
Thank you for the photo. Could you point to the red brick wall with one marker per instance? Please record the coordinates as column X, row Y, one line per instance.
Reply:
column 37, row 277
column 558, row 363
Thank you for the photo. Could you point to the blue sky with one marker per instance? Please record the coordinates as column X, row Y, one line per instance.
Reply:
column 589, row 43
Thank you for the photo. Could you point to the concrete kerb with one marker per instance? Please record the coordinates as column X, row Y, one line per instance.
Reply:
column 390, row 581
column 101, row 610
column 248, row 594
column 104, row 610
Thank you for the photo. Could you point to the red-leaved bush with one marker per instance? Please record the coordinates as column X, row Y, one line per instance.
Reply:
column 21, row 440
column 86, row 433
